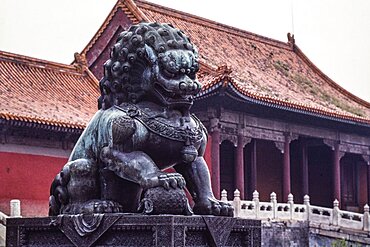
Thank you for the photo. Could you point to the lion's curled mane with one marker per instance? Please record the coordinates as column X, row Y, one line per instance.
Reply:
column 122, row 81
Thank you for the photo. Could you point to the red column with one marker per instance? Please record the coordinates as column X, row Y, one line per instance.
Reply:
column 368, row 183
column 239, row 167
column 304, row 170
column 336, row 173
column 253, row 166
column 286, row 168
column 215, row 158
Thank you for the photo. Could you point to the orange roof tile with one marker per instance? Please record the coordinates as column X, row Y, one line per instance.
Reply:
column 43, row 92
column 261, row 68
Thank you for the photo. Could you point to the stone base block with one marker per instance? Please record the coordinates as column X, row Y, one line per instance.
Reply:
column 133, row 230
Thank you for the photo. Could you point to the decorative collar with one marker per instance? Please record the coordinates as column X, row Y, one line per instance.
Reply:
column 154, row 124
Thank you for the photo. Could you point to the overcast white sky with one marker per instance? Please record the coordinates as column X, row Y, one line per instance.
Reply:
column 334, row 34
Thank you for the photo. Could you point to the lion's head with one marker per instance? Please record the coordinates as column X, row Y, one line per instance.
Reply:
column 154, row 62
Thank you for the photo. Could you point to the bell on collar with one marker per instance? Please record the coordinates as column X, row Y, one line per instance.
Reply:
column 189, row 152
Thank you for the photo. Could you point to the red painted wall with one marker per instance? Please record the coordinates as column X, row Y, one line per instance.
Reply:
column 27, row 177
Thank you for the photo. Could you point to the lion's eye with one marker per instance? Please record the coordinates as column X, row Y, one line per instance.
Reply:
column 190, row 73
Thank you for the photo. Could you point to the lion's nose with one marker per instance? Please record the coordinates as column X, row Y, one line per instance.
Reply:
column 183, row 86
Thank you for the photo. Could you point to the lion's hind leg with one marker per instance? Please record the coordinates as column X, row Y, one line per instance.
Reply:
column 76, row 184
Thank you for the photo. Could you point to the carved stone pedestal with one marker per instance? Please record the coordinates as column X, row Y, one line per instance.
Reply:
column 133, row 230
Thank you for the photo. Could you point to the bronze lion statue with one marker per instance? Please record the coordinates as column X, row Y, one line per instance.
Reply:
column 143, row 126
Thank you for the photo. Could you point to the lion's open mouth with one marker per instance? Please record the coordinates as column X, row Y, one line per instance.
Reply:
column 171, row 98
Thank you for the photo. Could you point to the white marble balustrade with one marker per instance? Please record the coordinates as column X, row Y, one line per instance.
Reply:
column 272, row 210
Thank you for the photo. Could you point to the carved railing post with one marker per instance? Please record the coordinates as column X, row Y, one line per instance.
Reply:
column 291, row 205
column 306, row 201
column 366, row 218
column 224, row 196
column 256, row 201
column 273, row 200
column 15, row 208
column 237, row 203
column 335, row 216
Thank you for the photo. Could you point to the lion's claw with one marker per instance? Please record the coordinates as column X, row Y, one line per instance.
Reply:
column 211, row 206
column 171, row 180
column 166, row 180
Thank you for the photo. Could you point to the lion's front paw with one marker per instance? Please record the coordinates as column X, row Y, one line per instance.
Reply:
column 159, row 200
column 165, row 180
column 211, row 206
column 173, row 180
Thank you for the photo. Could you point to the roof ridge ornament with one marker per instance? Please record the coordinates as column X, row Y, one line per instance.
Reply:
column 291, row 40
column 224, row 69
column 80, row 62
column 224, row 72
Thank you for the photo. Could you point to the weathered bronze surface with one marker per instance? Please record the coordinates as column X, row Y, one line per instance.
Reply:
column 142, row 127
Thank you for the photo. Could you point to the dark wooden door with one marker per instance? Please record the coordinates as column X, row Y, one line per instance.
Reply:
column 349, row 184
column 227, row 161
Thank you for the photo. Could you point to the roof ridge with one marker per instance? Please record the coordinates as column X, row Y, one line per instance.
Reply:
column 326, row 78
column 81, row 65
column 137, row 16
column 213, row 24
column 135, row 10
column 95, row 81
column 36, row 62
column 101, row 29
column 207, row 67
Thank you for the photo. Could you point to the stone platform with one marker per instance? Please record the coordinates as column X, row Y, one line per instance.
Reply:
column 133, row 230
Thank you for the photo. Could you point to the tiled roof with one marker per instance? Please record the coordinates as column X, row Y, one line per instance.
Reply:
column 260, row 67
column 46, row 93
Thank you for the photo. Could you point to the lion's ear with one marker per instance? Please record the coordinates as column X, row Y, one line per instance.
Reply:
column 150, row 54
